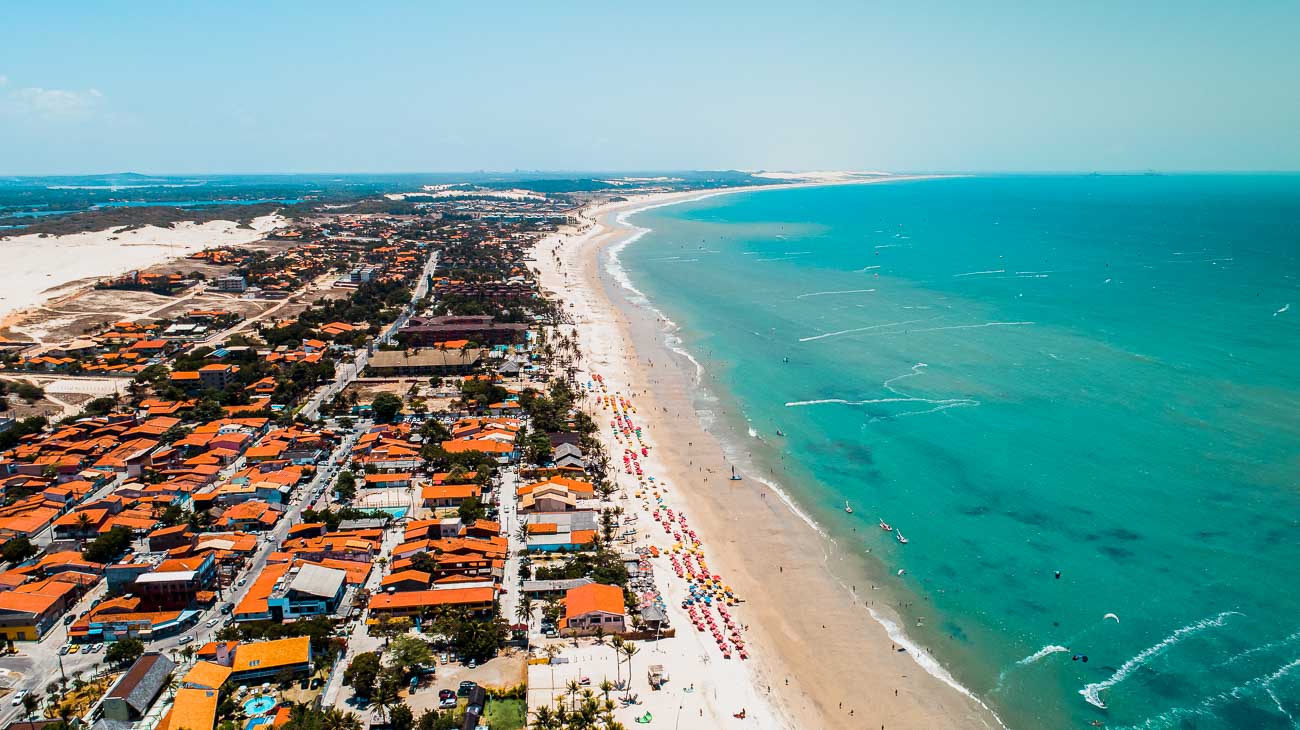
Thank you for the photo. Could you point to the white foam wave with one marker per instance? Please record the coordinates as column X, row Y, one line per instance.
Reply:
column 1092, row 692
column 894, row 245
column 959, row 327
column 1205, row 708
column 927, row 662
column 862, row 329
column 981, row 273
column 1283, row 310
column 837, row 291
column 1270, row 646
column 1045, row 651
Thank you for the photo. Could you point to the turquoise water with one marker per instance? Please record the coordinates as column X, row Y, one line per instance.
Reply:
column 258, row 705
column 397, row 512
column 1091, row 375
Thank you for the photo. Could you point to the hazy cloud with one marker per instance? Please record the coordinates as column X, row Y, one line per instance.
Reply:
column 51, row 104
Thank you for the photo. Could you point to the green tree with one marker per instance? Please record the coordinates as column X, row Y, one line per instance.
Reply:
column 346, row 486
column 362, row 674
column 207, row 410
column 471, row 509
column 124, row 651
column 407, row 652
column 385, row 407
column 18, row 549
column 401, row 717
column 108, row 546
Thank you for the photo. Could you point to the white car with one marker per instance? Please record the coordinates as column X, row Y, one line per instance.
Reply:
column 18, row 697
column 213, row 622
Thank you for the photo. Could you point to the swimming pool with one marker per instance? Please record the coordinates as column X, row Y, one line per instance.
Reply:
column 259, row 705
column 394, row 511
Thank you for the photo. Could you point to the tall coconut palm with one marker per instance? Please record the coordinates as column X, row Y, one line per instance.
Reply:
column 605, row 688
column 630, row 650
column 572, row 688
column 336, row 719
column 617, row 642
column 544, row 719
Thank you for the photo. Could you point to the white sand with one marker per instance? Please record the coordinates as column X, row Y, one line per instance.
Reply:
column 816, row 675
column 39, row 269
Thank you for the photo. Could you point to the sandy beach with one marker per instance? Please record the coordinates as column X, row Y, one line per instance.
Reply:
column 39, row 269
column 817, row 656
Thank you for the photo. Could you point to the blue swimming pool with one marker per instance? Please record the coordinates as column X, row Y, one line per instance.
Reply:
column 394, row 511
column 259, row 705
column 256, row 722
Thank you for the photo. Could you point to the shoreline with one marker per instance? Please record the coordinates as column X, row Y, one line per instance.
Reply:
column 823, row 669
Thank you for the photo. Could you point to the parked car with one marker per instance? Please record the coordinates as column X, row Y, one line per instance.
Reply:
column 448, row 703
column 69, row 619
column 74, row 649
column 63, row 650
column 472, row 663
column 185, row 640
column 465, row 688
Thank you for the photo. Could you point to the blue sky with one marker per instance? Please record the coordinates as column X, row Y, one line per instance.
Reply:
column 423, row 86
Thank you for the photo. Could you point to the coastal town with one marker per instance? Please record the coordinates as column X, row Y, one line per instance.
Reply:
column 357, row 474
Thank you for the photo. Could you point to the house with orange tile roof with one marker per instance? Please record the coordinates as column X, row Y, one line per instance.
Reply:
column 388, row 481
column 126, row 618
column 478, row 600
column 504, row 452
column 594, row 607
column 253, row 515
column 265, row 659
column 449, row 495
column 193, row 708
column 406, row 580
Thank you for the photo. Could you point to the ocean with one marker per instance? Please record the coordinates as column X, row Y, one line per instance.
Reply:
column 1077, row 396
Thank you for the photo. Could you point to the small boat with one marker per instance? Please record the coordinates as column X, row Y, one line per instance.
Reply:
column 779, row 432
column 847, row 508
column 886, row 526
column 900, row 537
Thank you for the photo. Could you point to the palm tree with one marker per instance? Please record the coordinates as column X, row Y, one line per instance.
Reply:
column 617, row 642
column 544, row 719
column 524, row 609
column 83, row 524
column 630, row 650
column 572, row 689
column 336, row 719
column 606, row 687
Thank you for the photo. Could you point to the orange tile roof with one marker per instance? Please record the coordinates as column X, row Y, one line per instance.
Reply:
column 593, row 597
column 262, row 655
column 448, row 597
column 207, row 674
column 459, row 446
column 192, row 709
